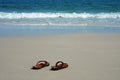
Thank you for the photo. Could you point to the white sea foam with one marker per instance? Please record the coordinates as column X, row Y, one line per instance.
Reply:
column 61, row 19
column 14, row 15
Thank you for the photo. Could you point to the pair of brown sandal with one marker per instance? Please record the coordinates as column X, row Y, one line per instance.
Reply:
column 41, row 64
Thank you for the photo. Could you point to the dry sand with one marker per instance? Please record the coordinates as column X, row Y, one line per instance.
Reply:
column 90, row 57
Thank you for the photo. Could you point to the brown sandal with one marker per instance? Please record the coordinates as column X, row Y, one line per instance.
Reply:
column 40, row 64
column 59, row 65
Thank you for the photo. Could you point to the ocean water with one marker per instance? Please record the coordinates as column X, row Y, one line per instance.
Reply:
column 88, row 15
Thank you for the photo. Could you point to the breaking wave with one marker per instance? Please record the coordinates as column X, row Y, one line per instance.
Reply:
column 14, row 15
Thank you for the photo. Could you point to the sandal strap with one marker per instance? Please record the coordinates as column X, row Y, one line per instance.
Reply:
column 58, row 63
column 42, row 61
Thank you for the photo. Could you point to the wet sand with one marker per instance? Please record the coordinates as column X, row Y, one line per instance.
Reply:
column 90, row 57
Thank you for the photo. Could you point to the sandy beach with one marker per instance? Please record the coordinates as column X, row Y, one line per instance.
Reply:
column 90, row 57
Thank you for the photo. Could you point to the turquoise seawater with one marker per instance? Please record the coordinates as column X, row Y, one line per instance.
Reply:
column 22, row 16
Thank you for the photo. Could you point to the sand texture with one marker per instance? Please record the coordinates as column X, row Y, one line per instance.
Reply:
column 90, row 57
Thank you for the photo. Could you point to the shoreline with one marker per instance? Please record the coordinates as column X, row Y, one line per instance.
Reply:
column 14, row 31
